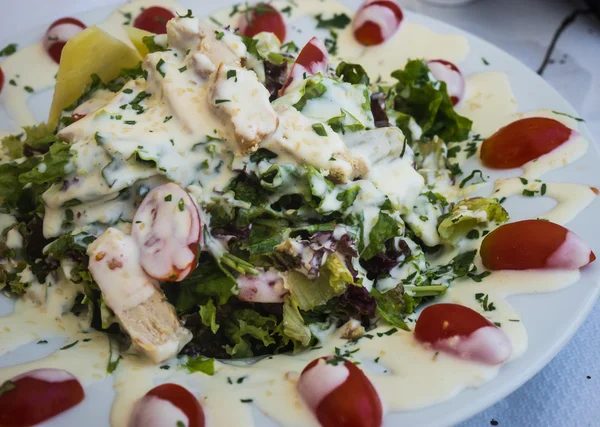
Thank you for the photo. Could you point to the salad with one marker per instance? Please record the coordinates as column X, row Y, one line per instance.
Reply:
column 218, row 194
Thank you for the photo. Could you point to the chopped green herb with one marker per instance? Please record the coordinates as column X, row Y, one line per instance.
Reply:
column 485, row 62
column 165, row 367
column 219, row 34
column 159, row 65
column 129, row 122
column 128, row 90
column 168, row 198
column 472, row 176
column 376, row 359
column 181, row 205
column 127, row 16
column 498, row 324
column 483, row 300
column 319, row 129
column 68, row 346
column 246, row 400
column 8, row 50
column 221, row 101
column 473, row 234
column 182, row 69
column 187, row 15
column 523, row 181
column 339, row 20
column 578, row 119
column 12, row 82
column 513, row 320
column 180, row 424
column 543, row 189
column 287, row 10
column 28, row 89
column 529, row 193
column 167, row 119
column 231, row 74
column 42, row 342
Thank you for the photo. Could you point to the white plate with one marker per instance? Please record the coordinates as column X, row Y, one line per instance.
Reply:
column 551, row 319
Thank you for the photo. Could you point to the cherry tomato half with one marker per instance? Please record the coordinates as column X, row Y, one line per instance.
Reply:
column 37, row 396
column 340, row 394
column 532, row 244
column 523, row 141
column 462, row 332
column 376, row 21
column 262, row 17
column 166, row 405
column 58, row 34
column 154, row 19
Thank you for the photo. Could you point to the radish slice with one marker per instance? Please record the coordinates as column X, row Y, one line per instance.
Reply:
column 313, row 59
column 167, row 228
column 154, row 19
column 168, row 405
column 462, row 332
column 58, row 35
column 267, row 287
column 523, row 141
column 1, row 80
column 37, row 396
column 534, row 244
column 376, row 21
column 262, row 17
column 340, row 394
column 450, row 74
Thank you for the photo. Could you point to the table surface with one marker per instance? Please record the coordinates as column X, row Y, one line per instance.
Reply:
column 565, row 393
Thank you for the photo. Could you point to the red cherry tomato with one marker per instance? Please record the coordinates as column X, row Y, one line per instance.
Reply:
column 522, row 141
column 312, row 59
column 450, row 74
column 154, row 19
column 58, row 34
column 462, row 332
column 37, row 396
column 167, row 404
column 534, row 244
column 376, row 21
column 168, row 230
column 262, row 17
column 340, row 395
column 1, row 80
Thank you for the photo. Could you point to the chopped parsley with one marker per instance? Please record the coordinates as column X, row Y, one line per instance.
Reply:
column 168, row 198
column 42, row 342
column 159, row 66
column 180, row 424
column 339, row 20
column 231, row 74
column 8, row 50
column 68, row 346
column 129, row 122
column 127, row 16
column 485, row 304
column 523, row 181
column 221, row 101
column 182, row 69
column 128, row 90
column 187, row 15
column 485, row 61
column 246, row 400
column 498, row 324
column 28, row 89
column 472, row 176
column 319, row 129
column 578, row 119
column 529, row 193
column 12, row 82
column 167, row 119
column 165, row 367
column 543, row 189
column 287, row 10
column 219, row 34
column 181, row 205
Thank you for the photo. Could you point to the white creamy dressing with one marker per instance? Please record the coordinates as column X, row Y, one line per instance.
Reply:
column 392, row 362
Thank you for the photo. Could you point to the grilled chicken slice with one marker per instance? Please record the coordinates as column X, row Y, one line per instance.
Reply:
column 134, row 297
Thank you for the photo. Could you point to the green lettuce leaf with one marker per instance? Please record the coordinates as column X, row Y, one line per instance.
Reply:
column 200, row 364
column 428, row 102
column 293, row 323
column 333, row 280
column 352, row 73
column 384, row 229
column 52, row 167
column 208, row 314
column 247, row 324
column 393, row 306
column 469, row 215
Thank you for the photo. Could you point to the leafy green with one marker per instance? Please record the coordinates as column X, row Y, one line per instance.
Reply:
column 333, row 280
column 393, row 306
column 293, row 323
column 52, row 166
column 312, row 89
column 200, row 364
column 384, row 229
column 151, row 44
column 427, row 100
column 352, row 73
column 338, row 20
column 248, row 324
column 469, row 214
column 208, row 314
column 37, row 137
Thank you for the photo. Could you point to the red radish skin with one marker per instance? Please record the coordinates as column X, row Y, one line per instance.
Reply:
column 449, row 73
column 1, row 80
column 168, row 230
column 58, row 34
column 462, row 332
column 37, row 396
column 377, row 21
column 340, row 394
column 313, row 59
column 523, row 141
column 166, row 405
column 534, row 244
column 154, row 19
column 262, row 17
